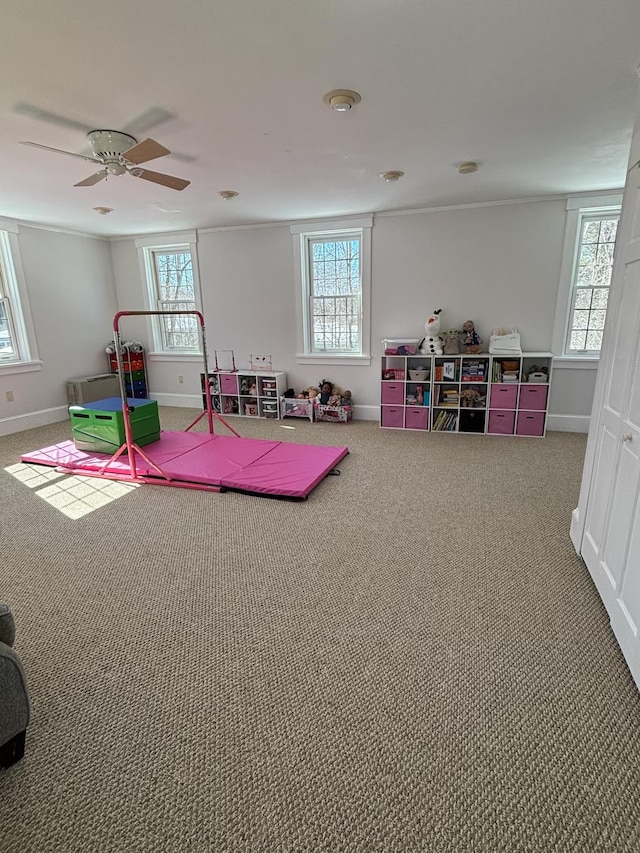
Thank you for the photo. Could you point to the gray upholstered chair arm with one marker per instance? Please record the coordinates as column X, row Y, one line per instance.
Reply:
column 14, row 697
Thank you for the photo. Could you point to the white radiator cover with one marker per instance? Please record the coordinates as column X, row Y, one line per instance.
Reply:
column 90, row 388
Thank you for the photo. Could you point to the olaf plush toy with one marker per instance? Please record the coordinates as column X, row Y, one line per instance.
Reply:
column 433, row 344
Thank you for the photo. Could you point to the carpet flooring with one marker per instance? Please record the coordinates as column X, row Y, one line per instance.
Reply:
column 414, row 659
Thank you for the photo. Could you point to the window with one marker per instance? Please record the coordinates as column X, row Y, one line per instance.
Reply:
column 591, row 280
column 585, row 277
column 170, row 269
column 333, row 291
column 17, row 343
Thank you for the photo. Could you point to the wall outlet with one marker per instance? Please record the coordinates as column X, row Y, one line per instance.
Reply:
column 9, row 396
column 180, row 380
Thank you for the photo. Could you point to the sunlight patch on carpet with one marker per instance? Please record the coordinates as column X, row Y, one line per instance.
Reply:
column 73, row 496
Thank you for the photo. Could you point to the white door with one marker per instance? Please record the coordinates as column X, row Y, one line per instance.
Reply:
column 611, row 541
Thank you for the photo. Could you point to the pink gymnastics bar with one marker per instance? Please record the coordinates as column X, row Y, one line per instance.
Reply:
column 129, row 445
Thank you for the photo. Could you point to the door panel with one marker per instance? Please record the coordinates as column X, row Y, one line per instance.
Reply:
column 621, row 514
column 600, row 493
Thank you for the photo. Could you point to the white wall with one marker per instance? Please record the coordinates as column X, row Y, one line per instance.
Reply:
column 497, row 265
column 71, row 290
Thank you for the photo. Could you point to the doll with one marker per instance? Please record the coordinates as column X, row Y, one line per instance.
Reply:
column 346, row 399
column 472, row 340
column 334, row 400
column 326, row 390
column 312, row 393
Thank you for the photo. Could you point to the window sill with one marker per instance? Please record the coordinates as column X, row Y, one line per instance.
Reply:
column 333, row 360
column 20, row 367
column 195, row 357
column 575, row 362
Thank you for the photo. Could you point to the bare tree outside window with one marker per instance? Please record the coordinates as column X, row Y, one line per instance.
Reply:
column 336, row 295
column 176, row 292
column 592, row 278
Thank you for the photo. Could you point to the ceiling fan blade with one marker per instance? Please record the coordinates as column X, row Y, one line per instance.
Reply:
column 60, row 151
column 92, row 179
column 144, row 151
column 159, row 178
column 52, row 118
column 152, row 118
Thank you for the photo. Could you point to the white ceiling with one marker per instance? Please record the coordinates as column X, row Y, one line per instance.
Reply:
column 541, row 94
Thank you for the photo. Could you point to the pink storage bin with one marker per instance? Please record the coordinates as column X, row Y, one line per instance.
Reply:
column 392, row 416
column 530, row 423
column 229, row 383
column 501, row 422
column 416, row 417
column 533, row 397
column 392, row 392
column 503, row 396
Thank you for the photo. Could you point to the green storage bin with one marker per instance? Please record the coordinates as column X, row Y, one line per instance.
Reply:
column 99, row 426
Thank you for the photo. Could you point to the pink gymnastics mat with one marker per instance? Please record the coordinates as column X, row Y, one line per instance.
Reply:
column 249, row 465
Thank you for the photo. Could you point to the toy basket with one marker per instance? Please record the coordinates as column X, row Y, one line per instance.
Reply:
column 336, row 414
column 418, row 375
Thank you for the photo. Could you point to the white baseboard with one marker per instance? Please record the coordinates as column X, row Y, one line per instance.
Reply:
column 366, row 413
column 568, row 423
column 33, row 419
column 183, row 401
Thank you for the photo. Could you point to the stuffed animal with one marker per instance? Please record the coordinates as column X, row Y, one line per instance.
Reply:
column 433, row 343
column 471, row 340
column 470, row 398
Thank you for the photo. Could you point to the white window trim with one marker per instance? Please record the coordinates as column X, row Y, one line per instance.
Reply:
column 16, row 285
column 145, row 246
column 300, row 232
column 578, row 207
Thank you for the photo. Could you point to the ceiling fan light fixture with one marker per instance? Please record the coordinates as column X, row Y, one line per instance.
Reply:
column 341, row 100
column 103, row 210
column 468, row 167
column 391, row 177
column 227, row 195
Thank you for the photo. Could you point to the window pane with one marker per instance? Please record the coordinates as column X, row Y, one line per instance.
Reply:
column 596, row 319
column 600, row 298
column 591, row 283
column 181, row 331
column 588, row 254
column 594, row 340
column 174, row 274
column 591, row 232
column 335, row 295
column 583, row 297
column 608, row 230
column 580, row 320
column 8, row 350
column 578, row 340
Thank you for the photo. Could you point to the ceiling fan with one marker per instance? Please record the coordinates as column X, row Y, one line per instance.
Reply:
column 120, row 153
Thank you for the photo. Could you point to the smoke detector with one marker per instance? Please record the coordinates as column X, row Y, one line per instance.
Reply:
column 467, row 167
column 227, row 195
column 390, row 177
column 341, row 100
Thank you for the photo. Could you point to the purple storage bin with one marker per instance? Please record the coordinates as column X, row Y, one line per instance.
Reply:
column 393, row 392
column 229, row 383
column 501, row 422
column 530, row 423
column 416, row 417
column 503, row 396
column 533, row 397
column 392, row 416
